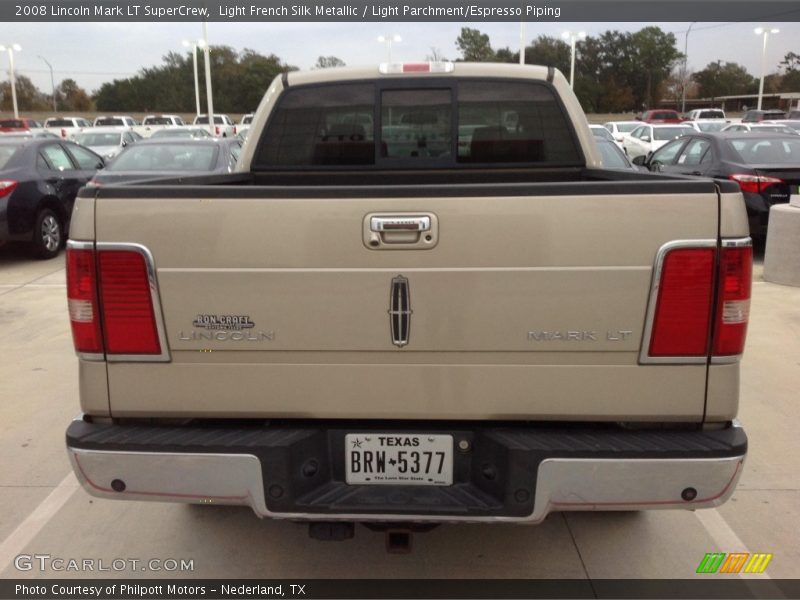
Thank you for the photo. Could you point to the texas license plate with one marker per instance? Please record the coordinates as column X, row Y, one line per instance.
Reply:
column 398, row 458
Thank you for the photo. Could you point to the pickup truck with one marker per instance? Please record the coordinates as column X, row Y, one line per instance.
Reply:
column 352, row 328
column 223, row 125
column 66, row 127
column 152, row 123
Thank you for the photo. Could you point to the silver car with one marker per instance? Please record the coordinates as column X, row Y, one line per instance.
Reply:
column 106, row 141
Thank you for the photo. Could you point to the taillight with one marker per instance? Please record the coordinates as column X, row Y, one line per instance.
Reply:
column 129, row 323
column 700, row 293
column 683, row 309
column 754, row 183
column 234, row 130
column 63, row 133
column 6, row 187
column 217, row 130
column 111, row 302
column 84, row 314
column 423, row 67
column 733, row 300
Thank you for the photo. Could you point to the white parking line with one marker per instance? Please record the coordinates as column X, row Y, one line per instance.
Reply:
column 41, row 515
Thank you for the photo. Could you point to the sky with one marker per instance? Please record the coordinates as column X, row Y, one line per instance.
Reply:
column 92, row 53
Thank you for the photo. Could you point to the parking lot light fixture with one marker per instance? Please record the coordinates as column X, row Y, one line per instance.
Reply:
column 52, row 81
column 389, row 40
column 209, row 92
column 11, row 48
column 684, row 76
column 194, row 45
column 573, row 38
column 763, row 31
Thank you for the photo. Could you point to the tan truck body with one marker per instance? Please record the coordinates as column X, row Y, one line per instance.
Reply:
column 523, row 307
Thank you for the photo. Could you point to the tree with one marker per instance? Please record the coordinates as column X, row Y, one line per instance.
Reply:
column 790, row 62
column 328, row 62
column 28, row 96
column 656, row 54
column 474, row 46
column 727, row 79
column 550, row 52
column 72, row 97
column 436, row 55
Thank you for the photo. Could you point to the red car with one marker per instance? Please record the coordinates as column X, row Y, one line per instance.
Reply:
column 7, row 125
column 661, row 117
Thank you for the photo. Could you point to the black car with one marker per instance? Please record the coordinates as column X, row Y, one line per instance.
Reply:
column 39, row 179
column 765, row 165
column 755, row 116
column 171, row 157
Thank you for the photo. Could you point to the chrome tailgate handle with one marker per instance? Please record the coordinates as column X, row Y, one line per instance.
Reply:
column 400, row 223
column 400, row 231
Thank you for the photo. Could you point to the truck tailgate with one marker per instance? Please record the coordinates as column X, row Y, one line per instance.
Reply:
column 525, row 306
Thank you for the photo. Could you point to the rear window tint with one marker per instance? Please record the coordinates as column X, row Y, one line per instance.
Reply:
column 109, row 122
column 494, row 122
column 59, row 123
column 12, row 123
column 757, row 151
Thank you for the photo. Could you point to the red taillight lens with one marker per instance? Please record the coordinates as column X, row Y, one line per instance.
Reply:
column 6, row 187
column 733, row 303
column 84, row 315
column 683, row 309
column 234, row 130
column 217, row 130
column 63, row 133
column 754, row 183
column 129, row 322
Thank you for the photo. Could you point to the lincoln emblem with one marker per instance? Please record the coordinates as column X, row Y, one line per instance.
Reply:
column 400, row 311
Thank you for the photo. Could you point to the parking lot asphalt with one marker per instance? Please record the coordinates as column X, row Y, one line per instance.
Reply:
column 45, row 512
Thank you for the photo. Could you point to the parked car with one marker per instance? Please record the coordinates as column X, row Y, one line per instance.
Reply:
column 20, row 124
column 754, row 116
column 106, row 141
column 619, row 129
column 39, row 179
column 794, row 114
column 699, row 114
column 761, row 126
column 661, row 116
column 707, row 126
column 793, row 123
column 115, row 121
column 223, row 125
column 245, row 123
column 601, row 133
column 614, row 158
column 154, row 159
column 66, row 127
column 766, row 166
column 647, row 138
column 181, row 132
column 152, row 123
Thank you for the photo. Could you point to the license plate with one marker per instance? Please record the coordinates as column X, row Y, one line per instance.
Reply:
column 398, row 458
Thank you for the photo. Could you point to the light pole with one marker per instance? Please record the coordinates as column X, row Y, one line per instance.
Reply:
column 765, row 32
column 11, row 49
column 522, row 42
column 388, row 40
column 209, row 95
column 52, row 81
column 573, row 37
column 685, row 66
column 194, row 46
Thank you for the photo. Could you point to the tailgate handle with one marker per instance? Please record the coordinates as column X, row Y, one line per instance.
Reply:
column 400, row 231
column 398, row 223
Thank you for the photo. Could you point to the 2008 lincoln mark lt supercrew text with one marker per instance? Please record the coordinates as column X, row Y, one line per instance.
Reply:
column 419, row 299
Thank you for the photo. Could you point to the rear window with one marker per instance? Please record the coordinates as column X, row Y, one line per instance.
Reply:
column 99, row 139
column 157, row 121
column 59, row 123
column 218, row 120
column 711, row 114
column 757, row 151
column 470, row 121
column 109, row 121
column 12, row 123
column 247, row 120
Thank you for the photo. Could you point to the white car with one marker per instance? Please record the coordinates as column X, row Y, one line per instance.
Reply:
column 762, row 126
column 703, row 114
column 106, row 141
column 621, row 129
column 66, row 127
column 707, row 125
column 646, row 138
column 601, row 133
column 244, row 124
column 793, row 123
column 223, row 125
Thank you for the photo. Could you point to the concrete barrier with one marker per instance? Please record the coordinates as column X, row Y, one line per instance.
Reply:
column 782, row 254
